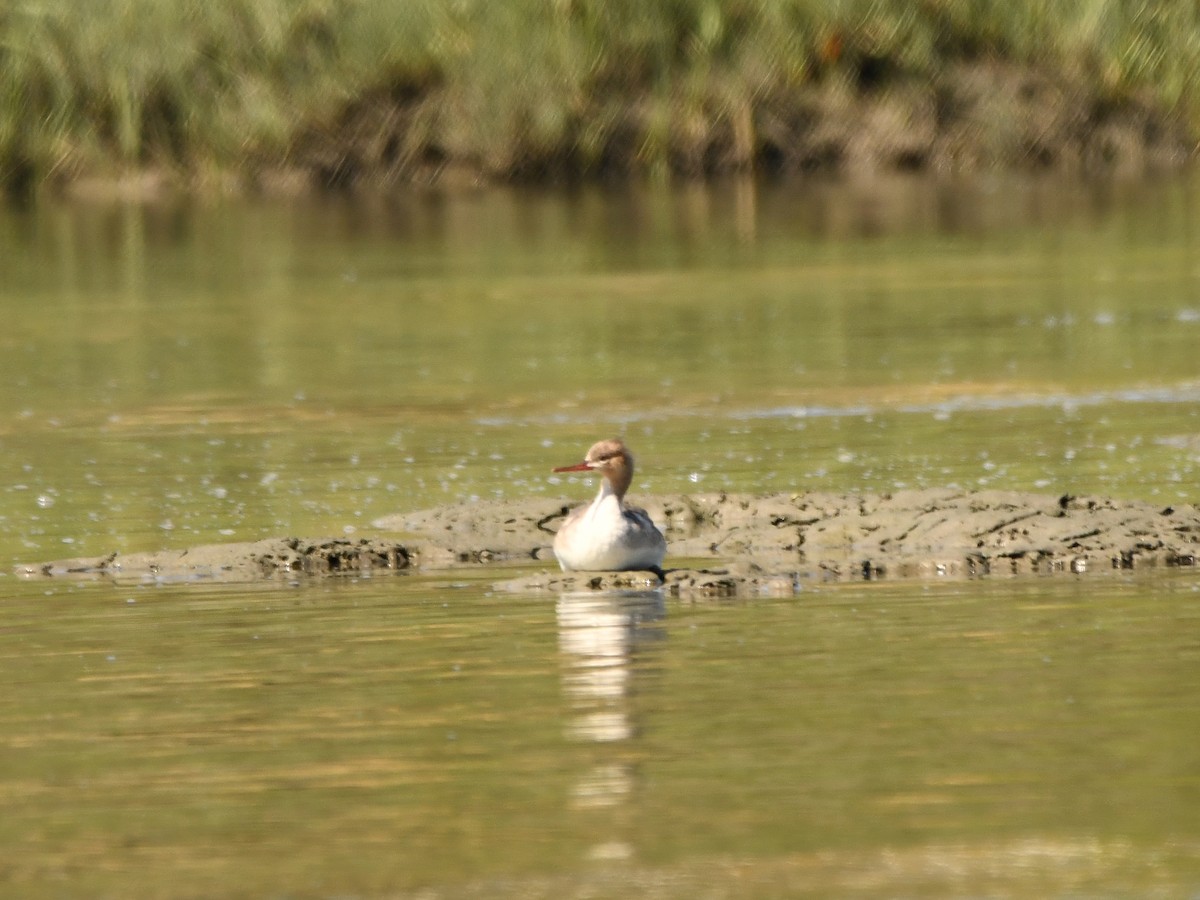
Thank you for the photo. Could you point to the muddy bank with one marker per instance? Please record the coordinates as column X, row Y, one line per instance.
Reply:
column 724, row 544
column 970, row 116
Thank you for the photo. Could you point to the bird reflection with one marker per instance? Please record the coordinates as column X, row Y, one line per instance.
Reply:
column 601, row 635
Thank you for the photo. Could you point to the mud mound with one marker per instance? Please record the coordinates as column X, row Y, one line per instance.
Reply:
column 769, row 544
column 726, row 544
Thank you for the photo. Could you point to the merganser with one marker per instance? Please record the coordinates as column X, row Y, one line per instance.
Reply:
column 607, row 535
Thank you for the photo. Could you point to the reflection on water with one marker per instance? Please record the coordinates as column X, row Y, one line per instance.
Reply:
column 599, row 633
column 604, row 638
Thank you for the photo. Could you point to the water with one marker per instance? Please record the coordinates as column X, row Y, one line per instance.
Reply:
column 198, row 373
column 351, row 739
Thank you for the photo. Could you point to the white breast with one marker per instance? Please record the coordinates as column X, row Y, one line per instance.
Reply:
column 604, row 538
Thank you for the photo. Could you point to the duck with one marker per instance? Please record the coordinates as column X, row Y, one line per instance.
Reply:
column 608, row 535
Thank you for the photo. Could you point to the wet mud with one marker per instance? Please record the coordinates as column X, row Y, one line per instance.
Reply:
column 237, row 562
column 722, row 544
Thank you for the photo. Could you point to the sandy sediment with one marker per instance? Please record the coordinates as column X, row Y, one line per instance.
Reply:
column 725, row 544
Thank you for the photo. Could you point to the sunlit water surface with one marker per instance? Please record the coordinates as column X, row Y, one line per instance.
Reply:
column 199, row 373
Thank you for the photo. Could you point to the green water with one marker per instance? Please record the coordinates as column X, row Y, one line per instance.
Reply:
column 185, row 373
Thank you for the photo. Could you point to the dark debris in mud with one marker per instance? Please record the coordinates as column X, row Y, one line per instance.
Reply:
column 240, row 561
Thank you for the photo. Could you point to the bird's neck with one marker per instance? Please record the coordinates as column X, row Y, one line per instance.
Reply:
column 609, row 489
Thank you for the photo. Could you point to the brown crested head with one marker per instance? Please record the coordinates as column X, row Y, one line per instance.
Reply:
column 612, row 459
column 609, row 454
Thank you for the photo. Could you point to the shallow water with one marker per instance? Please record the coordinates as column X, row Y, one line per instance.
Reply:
column 177, row 375
column 342, row 738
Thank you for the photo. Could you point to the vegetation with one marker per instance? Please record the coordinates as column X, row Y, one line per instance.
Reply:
column 347, row 89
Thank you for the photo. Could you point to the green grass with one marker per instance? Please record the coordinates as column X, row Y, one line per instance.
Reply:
column 516, row 87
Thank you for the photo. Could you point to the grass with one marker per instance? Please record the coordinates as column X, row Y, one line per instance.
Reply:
column 515, row 88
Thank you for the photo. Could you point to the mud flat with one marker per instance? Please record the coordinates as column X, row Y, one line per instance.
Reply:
column 721, row 544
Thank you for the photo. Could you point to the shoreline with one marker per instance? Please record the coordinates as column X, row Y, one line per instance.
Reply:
column 245, row 96
column 974, row 118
